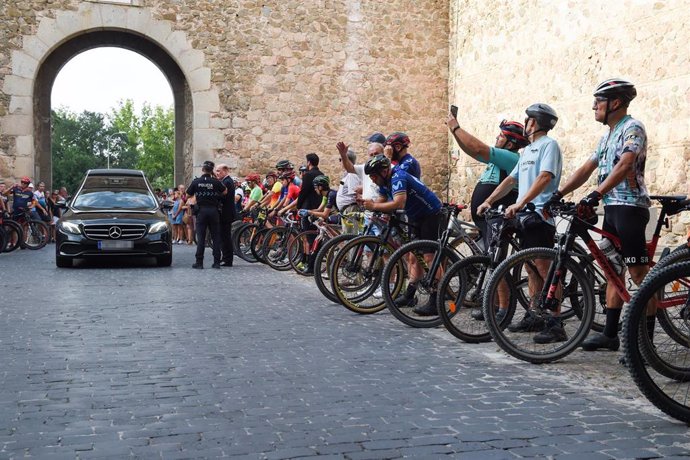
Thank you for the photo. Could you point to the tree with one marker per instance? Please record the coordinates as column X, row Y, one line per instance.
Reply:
column 157, row 154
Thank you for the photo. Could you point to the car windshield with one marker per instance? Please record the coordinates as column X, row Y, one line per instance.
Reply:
column 115, row 193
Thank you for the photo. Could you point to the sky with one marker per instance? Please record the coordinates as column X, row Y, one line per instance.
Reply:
column 97, row 79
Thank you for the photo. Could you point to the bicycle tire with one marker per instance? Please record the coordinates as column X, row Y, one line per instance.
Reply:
column 36, row 234
column 521, row 344
column 323, row 265
column 256, row 244
column 275, row 248
column 15, row 235
column 658, row 367
column 673, row 319
column 465, row 278
column 3, row 238
column 423, row 293
column 356, row 274
column 297, row 252
column 242, row 241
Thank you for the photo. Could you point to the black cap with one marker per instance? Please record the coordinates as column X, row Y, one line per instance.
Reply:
column 377, row 137
column 208, row 164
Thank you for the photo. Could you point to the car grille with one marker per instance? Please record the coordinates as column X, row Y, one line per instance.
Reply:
column 108, row 232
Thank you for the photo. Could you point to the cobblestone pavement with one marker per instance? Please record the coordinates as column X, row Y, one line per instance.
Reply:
column 244, row 361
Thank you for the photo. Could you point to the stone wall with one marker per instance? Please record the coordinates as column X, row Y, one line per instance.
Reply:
column 505, row 56
column 291, row 77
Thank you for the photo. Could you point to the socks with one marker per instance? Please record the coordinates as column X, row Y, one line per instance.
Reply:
column 612, row 318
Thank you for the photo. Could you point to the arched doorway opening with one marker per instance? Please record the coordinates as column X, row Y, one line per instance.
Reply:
column 54, row 62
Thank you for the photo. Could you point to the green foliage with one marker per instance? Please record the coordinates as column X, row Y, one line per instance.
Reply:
column 128, row 140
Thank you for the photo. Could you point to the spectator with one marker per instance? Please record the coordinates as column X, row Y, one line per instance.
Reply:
column 3, row 198
column 177, row 218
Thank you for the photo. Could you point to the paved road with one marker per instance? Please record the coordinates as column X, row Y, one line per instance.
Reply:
column 180, row 363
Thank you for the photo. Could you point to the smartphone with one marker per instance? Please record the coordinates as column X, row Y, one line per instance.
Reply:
column 454, row 111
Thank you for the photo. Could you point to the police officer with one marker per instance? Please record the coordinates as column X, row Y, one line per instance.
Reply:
column 227, row 213
column 208, row 191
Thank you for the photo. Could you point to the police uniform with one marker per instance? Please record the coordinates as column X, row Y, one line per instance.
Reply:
column 227, row 216
column 208, row 191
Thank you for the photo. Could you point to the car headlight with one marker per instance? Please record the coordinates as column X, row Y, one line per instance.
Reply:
column 70, row 227
column 158, row 227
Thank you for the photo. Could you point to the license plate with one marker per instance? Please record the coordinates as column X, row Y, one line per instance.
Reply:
column 107, row 245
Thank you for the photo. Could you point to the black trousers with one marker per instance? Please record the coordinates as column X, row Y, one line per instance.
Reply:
column 208, row 219
column 226, row 237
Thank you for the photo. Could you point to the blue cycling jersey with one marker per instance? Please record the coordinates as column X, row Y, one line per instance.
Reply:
column 421, row 201
column 409, row 164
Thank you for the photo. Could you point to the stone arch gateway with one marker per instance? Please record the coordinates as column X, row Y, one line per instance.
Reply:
column 36, row 65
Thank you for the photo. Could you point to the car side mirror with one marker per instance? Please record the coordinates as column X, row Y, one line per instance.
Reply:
column 166, row 205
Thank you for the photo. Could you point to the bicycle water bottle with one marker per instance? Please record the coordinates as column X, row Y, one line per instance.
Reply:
column 612, row 254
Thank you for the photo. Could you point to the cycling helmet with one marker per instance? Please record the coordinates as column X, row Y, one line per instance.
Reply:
column 322, row 181
column 302, row 169
column 289, row 175
column 398, row 138
column 546, row 116
column 284, row 164
column 616, row 88
column 26, row 179
column 376, row 164
column 253, row 178
column 514, row 132
column 271, row 174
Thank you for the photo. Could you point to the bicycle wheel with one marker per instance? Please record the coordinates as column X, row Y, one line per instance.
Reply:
column 356, row 274
column 3, row 238
column 426, row 291
column 297, row 251
column 242, row 241
column 15, row 235
column 465, row 279
column 518, row 339
column 323, row 265
column 256, row 244
column 659, row 365
column 36, row 234
column 598, row 281
column 274, row 248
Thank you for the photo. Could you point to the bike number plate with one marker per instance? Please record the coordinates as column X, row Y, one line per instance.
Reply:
column 110, row 245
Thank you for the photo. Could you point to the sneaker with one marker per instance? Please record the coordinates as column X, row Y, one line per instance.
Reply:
column 198, row 265
column 429, row 308
column 215, row 265
column 301, row 266
column 407, row 298
column 531, row 322
column 552, row 333
column 377, row 293
column 478, row 315
column 600, row 341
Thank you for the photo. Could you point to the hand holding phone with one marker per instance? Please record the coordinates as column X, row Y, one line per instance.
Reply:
column 454, row 111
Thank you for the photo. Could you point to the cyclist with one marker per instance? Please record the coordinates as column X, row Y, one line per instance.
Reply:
column 22, row 197
column 255, row 193
column 328, row 207
column 289, row 192
column 396, row 150
column 620, row 159
column 499, row 159
column 537, row 174
column 399, row 189
column 273, row 187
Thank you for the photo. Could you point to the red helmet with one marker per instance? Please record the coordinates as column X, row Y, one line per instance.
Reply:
column 253, row 178
column 26, row 179
column 289, row 175
column 271, row 174
column 514, row 132
column 398, row 138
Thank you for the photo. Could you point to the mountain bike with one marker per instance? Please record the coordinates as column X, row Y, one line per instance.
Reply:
column 13, row 232
column 36, row 232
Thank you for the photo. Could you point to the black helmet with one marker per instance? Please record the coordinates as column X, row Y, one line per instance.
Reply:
column 616, row 88
column 376, row 164
column 302, row 168
column 322, row 181
column 546, row 116
column 284, row 164
column 514, row 132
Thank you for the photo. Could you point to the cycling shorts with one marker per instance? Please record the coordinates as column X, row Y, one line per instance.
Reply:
column 540, row 235
column 429, row 228
column 629, row 223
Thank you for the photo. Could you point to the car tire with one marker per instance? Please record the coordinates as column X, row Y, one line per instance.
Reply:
column 63, row 262
column 164, row 261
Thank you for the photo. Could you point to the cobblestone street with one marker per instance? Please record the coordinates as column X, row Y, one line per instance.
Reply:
column 152, row 362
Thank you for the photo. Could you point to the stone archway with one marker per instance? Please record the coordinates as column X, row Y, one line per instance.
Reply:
column 58, row 39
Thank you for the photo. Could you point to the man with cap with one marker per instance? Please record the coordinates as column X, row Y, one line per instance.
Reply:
column 377, row 138
column 227, row 213
column 208, row 192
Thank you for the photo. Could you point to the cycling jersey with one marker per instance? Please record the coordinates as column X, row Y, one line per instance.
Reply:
column 544, row 154
column 276, row 189
column 256, row 194
column 21, row 198
column 329, row 200
column 421, row 201
column 628, row 136
column 409, row 164
column 499, row 160
column 291, row 191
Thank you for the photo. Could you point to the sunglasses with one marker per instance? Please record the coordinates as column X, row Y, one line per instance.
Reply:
column 600, row 99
